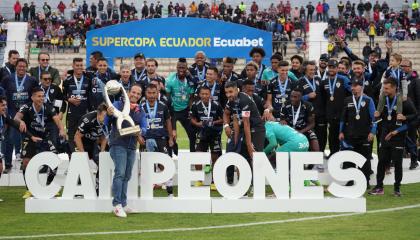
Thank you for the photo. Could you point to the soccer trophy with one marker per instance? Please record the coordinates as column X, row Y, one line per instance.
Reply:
column 112, row 88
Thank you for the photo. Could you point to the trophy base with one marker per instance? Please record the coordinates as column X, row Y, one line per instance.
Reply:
column 129, row 131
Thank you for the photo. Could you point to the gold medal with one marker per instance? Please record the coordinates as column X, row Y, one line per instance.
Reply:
column 389, row 117
column 331, row 98
column 357, row 117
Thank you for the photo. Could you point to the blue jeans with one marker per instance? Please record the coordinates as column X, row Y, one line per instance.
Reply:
column 11, row 141
column 123, row 160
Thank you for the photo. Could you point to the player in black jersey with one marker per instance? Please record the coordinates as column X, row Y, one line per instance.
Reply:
column 300, row 115
column 251, row 125
column 159, row 127
column 312, row 92
column 76, row 91
column 34, row 117
column 90, row 136
column 151, row 66
column 278, row 92
column 54, row 97
column 211, row 81
column 207, row 116
column 248, row 88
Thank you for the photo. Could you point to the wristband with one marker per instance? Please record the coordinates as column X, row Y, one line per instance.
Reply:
column 225, row 126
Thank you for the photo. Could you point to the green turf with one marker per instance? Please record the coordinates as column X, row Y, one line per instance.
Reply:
column 402, row 224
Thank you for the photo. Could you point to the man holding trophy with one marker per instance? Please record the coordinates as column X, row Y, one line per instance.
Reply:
column 129, row 123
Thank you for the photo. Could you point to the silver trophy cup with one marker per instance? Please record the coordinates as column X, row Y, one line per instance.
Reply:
column 113, row 87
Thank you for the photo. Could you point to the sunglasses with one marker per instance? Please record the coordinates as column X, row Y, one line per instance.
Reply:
column 45, row 60
column 405, row 66
column 49, row 79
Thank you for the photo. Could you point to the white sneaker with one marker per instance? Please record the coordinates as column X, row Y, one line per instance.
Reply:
column 174, row 157
column 128, row 210
column 119, row 211
column 170, row 195
column 1, row 200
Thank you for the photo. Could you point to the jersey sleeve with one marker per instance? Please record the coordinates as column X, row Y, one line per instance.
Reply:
column 166, row 115
column 194, row 112
column 24, row 109
column 270, row 87
column 84, row 125
column 219, row 111
column 272, row 142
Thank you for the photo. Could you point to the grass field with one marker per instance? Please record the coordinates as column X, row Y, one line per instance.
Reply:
column 400, row 224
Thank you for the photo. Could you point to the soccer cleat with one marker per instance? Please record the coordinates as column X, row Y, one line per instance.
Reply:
column 376, row 191
column 59, row 193
column 397, row 193
column 119, row 211
column 213, row 187
column 175, row 157
column 207, row 169
column 27, row 195
column 316, row 182
column 414, row 165
column 1, row 200
column 199, row 183
column 128, row 210
column 307, row 183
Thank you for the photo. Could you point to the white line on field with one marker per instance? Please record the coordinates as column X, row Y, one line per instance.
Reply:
column 209, row 227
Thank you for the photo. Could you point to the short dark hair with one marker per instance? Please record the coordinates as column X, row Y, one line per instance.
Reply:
column 231, row 84
column 284, row 63
column 390, row 80
column 43, row 53
column 229, row 60
column 21, row 60
column 213, row 68
column 102, row 59
column 102, row 107
column 151, row 86
column 182, row 60
column 96, row 55
column 204, row 88
column 11, row 52
column 298, row 89
column 44, row 73
column 153, row 60
column 299, row 58
column 77, row 59
column 277, row 56
column 248, row 82
column 3, row 98
column 37, row 89
column 257, row 50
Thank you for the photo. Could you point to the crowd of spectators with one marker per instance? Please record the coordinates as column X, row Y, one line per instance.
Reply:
column 59, row 31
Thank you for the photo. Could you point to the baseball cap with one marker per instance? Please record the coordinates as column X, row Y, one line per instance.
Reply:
column 324, row 57
column 333, row 62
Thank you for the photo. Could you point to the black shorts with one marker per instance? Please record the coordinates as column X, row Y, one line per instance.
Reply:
column 205, row 140
column 162, row 145
column 92, row 148
column 30, row 148
column 310, row 135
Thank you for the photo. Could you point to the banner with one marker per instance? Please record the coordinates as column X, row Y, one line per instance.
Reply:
column 286, row 181
column 177, row 37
